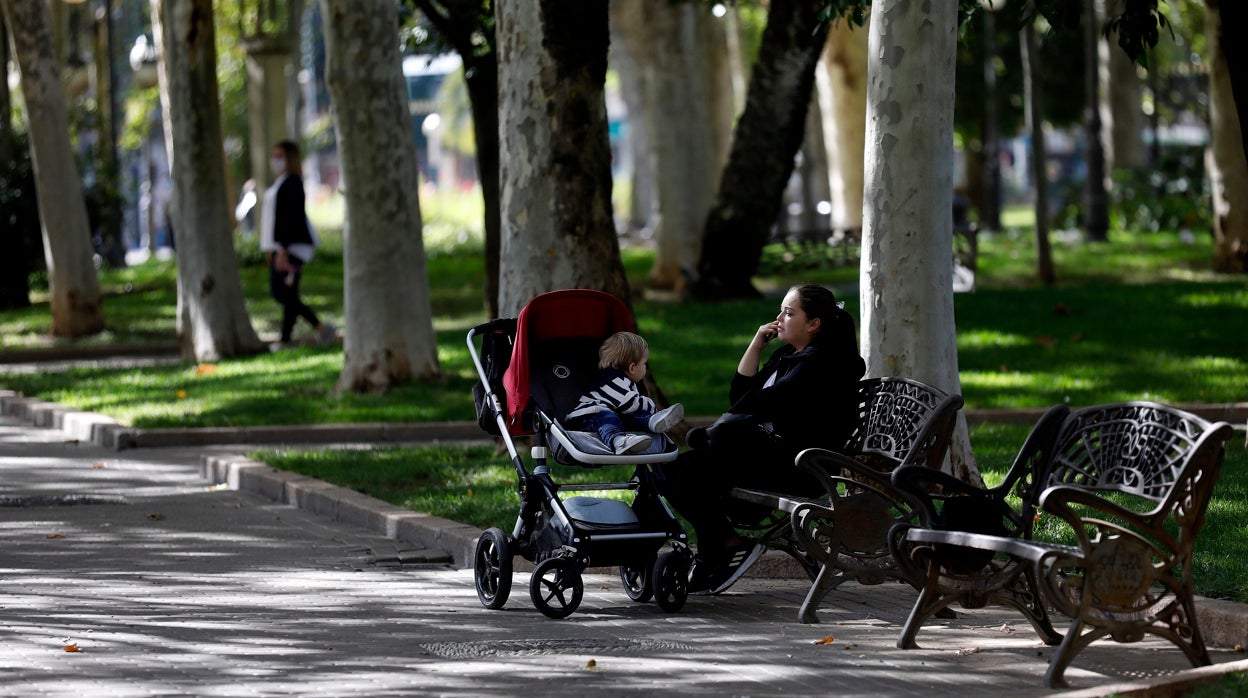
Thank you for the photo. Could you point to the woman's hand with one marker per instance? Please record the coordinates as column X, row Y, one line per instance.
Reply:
column 283, row 261
column 748, row 365
column 766, row 332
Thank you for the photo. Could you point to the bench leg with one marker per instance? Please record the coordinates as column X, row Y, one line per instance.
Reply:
column 1072, row 644
column 824, row 582
column 928, row 603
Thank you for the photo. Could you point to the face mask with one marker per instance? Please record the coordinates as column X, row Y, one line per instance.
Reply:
column 278, row 164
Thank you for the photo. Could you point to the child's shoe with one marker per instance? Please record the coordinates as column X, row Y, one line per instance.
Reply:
column 630, row 443
column 665, row 419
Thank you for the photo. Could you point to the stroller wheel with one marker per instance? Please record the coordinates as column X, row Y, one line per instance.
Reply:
column 637, row 580
column 556, row 587
column 491, row 568
column 670, row 581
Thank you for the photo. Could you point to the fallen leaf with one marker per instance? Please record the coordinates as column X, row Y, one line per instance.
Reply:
column 70, row 647
column 157, row 516
column 58, row 534
column 592, row 665
column 205, row 369
column 968, row 650
column 99, row 465
column 1046, row 341
column 825, row 640
column 1061, row 309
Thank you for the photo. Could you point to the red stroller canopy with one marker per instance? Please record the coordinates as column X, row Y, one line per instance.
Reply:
column 566, row 314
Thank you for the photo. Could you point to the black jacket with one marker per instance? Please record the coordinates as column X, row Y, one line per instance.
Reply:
column 290, row 220
column 814, row 399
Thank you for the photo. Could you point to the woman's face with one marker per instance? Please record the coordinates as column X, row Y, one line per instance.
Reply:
column 796, row 328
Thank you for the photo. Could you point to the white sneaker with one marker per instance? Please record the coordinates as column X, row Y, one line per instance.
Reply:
column 665, row 419
column 630, row 443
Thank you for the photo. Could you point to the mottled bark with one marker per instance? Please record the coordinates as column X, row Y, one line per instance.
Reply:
column 212, row 316
column 73, row 285
column 907, row 274
column 388, row 317
column 555, row 174
column 665, row 41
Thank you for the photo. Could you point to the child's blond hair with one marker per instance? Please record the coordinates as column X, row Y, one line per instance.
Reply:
column 621, row 350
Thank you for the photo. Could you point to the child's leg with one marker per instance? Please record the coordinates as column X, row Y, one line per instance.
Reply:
column 607, row 424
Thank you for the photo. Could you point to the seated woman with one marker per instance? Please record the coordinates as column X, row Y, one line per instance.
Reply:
column 804, row 396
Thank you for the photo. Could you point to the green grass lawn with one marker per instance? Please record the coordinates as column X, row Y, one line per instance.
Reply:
column 1141, row 317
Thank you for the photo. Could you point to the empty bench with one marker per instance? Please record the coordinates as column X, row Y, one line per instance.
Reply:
column 1130, row 482
column 842, row 534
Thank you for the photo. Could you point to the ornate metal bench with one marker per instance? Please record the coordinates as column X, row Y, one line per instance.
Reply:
column 1131, row 480
column 842, row 535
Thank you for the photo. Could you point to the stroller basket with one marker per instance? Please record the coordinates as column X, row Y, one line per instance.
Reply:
column 532, row 371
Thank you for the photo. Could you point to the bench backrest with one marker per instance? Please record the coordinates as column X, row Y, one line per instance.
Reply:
column 905, row 420
column 1138, row 448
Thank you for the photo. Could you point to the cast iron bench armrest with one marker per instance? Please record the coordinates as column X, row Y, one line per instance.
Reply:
column 1031, row 550
column 774, row 500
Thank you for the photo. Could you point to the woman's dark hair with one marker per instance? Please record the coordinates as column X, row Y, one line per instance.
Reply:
column 836, row 327
column 294, row 161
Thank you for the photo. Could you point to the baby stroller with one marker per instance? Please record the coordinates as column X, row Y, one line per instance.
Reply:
column 533, row 368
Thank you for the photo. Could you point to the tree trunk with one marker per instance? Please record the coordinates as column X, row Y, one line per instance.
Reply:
column 845, row 119
column 1228, row 168
column 389, row 336
column 814, row 170
column 14, row 274
column 990, row 173
column 557, row 228
column 212, row 312
column 720, row 55
column 768, row 136
column 1235, row 59
column 1120, row 99
column 1039, row 153
column 1095, row 199
column 676, row 111
column 907, row 272
column 628, row 32
column 464, row 25
column 74, row 286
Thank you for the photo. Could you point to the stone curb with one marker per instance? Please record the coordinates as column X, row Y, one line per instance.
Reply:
column 343, row 505
column 1179, row 684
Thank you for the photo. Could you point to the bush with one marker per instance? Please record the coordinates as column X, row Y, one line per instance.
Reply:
column 1173, row 195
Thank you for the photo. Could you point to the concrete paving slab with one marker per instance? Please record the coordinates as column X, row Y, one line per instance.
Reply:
column 177, row 585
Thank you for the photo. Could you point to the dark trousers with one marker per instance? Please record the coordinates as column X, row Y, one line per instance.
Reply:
column 284, row 287
column 697, row 485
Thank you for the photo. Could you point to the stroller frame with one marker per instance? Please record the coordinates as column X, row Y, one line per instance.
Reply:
column 530, row 367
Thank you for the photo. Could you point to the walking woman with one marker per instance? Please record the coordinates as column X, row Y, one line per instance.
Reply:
column 288, row 242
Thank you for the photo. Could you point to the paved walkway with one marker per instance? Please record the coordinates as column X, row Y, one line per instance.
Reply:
column 168, row 583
